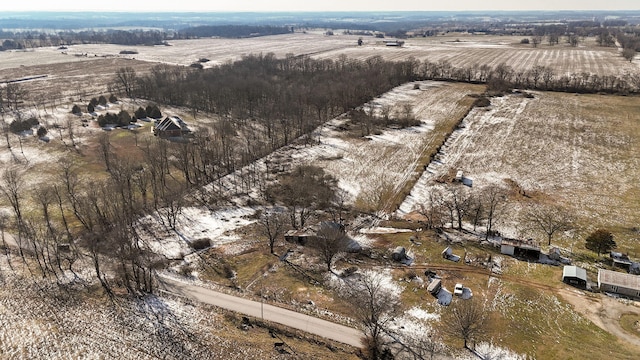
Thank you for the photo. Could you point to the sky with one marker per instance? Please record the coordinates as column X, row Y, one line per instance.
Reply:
column 317, row 5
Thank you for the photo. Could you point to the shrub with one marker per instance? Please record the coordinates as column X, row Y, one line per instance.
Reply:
column 524, row 41
column 90, row 108
column 113, row 99
column 482, row 102
column 140, row 113
column 42, row 131
column 124, row 118
column 128, row 52
column 200, row 244
column 102, row 100
column 108, row 118
column 18, row 126
column 76, row 110
column 229, row 273
column 153, row 111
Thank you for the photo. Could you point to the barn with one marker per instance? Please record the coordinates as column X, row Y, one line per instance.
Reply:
column 619, row 283
column 575, row 276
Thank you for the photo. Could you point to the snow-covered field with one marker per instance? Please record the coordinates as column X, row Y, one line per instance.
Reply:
column 469, row 50
column 460, row 51
column 38, row 320
column 200, row 223
column 367, row 167
column 184, row 52
column 580, row 151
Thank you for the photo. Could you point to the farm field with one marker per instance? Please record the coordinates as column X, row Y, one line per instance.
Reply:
column 579, row 152
column 84, row 71
column 467, row 50
column 185, row 52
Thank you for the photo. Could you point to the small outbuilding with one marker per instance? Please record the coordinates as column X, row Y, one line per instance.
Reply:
column 434, row 286
column 575, row 276
column 619, row 283
column 399, row 254
column 448, row 254
column 620, row 260
column 520, row 248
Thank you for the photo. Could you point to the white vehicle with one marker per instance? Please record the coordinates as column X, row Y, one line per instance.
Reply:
column 458, row 290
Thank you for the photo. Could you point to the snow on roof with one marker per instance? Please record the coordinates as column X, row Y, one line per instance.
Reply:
column 169, row 123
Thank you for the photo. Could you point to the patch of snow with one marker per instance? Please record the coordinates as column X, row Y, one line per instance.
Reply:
column 486, row 350
column 196, row 223
column 384, row 230
column 422, row 314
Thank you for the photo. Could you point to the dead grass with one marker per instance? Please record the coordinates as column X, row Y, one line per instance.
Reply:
column 631, row 323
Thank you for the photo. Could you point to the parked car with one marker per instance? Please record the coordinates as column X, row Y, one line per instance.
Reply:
column 458, row 290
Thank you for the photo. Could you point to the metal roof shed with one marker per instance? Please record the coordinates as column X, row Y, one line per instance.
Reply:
column 574, row 275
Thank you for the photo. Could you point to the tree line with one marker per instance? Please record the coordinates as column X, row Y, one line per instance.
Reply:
column 32, row 39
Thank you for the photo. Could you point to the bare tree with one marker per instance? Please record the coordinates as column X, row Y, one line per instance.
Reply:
column 105, row 149
column 70, row 131
column 536, row 40
column 272, row 225
column 12, row 190
column 458, row 203
column 629, row 54
column 433, row 210
column 126, row 77
column 573, row 40
column 374, row 306
column 306, row 189
column 331, row 240
column 467, row 320
column 494, row 199
column 16, row 95
column 548, row 219
column 424, row 345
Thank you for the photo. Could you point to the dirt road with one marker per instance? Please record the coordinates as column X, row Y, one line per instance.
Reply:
column 268, row 312
column 603, row 311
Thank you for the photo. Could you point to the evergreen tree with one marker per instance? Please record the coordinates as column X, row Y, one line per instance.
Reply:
column 600, row 241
